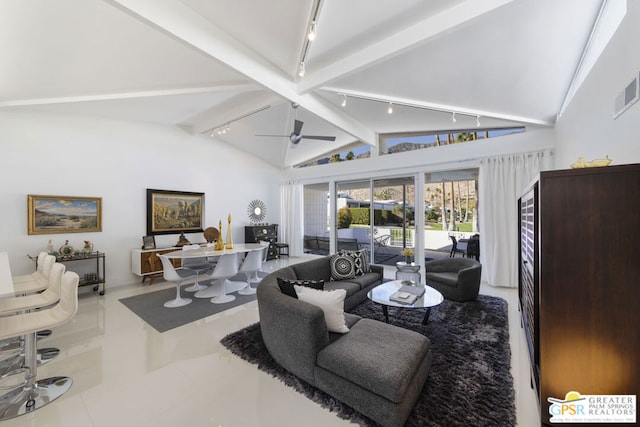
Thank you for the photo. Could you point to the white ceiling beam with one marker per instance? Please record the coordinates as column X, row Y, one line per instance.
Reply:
column 406, row 39
column 447, row 108
column 234, row 109
column 129, row 95
column 178, row 21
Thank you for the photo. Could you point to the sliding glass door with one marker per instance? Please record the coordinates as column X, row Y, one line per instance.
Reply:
column 394, row 219
column 376, row 214
column 451, row 208
column 353, row 223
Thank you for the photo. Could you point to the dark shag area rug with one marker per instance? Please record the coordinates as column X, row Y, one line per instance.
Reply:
column 469, row 384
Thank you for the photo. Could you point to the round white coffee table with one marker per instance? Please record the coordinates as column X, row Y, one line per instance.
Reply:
column 381, row 293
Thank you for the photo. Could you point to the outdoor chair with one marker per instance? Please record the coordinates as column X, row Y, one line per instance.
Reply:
column 382, row 243
column 455, row 249
column 473, row 247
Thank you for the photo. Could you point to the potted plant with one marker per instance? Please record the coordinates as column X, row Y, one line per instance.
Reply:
column 408, row 255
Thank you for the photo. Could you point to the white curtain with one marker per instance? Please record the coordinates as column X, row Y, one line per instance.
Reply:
column 291, row 217
column 501, row 183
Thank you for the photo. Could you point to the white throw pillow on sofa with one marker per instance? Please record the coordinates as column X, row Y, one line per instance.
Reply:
column 331, row 302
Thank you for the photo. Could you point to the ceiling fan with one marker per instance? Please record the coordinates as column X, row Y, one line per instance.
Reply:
column 296, row 136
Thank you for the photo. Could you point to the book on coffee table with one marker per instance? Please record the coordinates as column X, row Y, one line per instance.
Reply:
column 415, row 290
column 403, row 297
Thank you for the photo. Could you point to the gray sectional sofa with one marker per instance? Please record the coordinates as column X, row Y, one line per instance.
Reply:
column 376, row 368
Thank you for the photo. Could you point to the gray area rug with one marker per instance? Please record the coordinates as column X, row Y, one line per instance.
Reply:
column 150, row 308
column 469, row 384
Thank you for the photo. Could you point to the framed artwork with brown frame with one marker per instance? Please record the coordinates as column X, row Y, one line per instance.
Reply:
column 63, row 214
column 173, row 212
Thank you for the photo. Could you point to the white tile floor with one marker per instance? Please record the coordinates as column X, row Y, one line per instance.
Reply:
column 127, row 374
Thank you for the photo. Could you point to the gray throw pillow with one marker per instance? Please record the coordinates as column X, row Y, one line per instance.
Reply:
column 286, row 285
column 342, row 267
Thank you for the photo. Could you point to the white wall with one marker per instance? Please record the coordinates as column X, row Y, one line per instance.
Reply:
column 587, row 128
column 75, row 156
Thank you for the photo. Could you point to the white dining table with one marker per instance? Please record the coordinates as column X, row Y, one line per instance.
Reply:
column 209, row 251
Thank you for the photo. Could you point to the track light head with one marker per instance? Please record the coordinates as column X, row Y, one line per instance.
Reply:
column 344, row 100
column 477, row 121
column 301, row 69
column 453, row 117
column 311, row 36
column 390, row 108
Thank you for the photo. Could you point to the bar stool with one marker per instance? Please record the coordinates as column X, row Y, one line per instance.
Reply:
column 32, row 276
column 32, row 284
column 34, row 394
column 16, row 305
column 39, row 280
column 49, row 296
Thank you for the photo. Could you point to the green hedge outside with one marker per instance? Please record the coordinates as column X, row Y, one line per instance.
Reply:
column 381, row 217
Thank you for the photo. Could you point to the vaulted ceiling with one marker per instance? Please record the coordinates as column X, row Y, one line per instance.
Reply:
column 201, row 64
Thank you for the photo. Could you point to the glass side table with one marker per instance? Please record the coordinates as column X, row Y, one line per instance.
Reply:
column 408, row 271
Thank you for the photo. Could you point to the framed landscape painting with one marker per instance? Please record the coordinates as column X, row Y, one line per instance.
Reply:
column 63, row 214
column 173, row 212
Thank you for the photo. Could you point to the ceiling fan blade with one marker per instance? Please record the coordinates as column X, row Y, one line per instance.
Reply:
column 297, row 126
column 321, row 138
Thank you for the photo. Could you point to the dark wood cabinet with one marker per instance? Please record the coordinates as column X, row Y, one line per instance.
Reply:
column 267, row 233
column 528, row 276
column 579, row 282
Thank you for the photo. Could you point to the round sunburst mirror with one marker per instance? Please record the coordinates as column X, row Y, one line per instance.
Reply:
column 257, row 211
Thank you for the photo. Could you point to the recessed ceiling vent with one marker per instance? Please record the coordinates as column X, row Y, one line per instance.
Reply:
column 626, row 98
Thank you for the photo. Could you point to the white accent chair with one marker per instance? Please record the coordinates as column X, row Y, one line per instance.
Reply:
column 199, row 265
column 32, row 394
column 226, row 268
column 178, row 277
column 251, row 264
column 265, row 253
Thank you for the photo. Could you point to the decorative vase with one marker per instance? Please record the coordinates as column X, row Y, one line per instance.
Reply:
column 219, row 245
column 229, row 244
column 408, row 259
column 50, row 247
column 88, row 247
